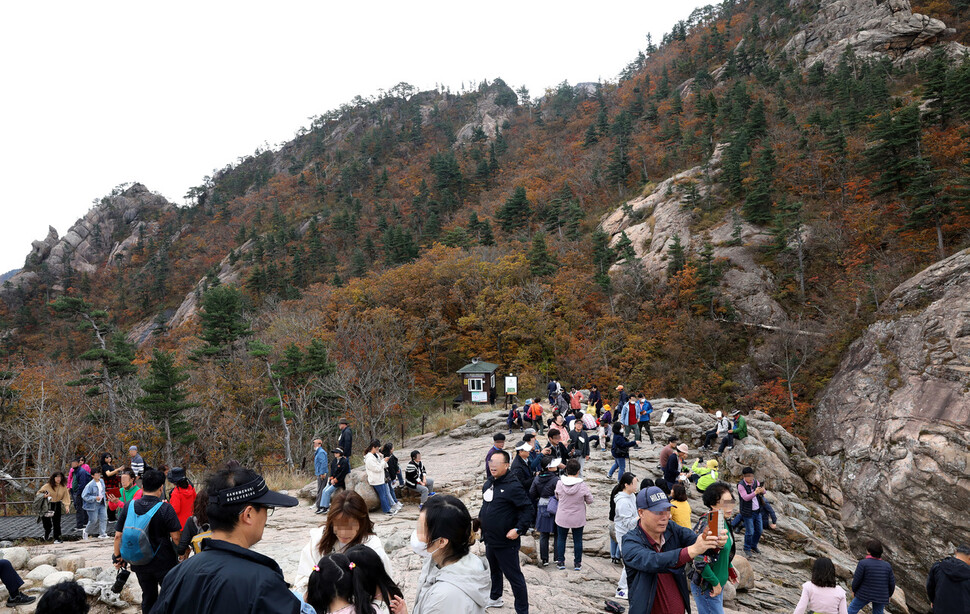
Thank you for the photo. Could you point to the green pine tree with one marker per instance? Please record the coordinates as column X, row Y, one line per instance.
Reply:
column 222, row 322
column 514, row 214
column 541, row 262
column 757, row 206
column 893, row 156
column 676, row 256
column 929, row 206
column 165, row 400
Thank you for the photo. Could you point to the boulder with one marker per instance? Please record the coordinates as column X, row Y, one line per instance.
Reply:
column 90, row 587
column 308, row 492
column 90, row 573
column 895, row 418
column 42, row 571
column 57, row 577
column 356, row 481
column 41, row 559
column 17, row 556
column 70, row 562
column 486, row 423
column 745, row 573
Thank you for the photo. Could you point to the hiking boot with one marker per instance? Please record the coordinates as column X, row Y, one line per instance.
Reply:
column 20, row 599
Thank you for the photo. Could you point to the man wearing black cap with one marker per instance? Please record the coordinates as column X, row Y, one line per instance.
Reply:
column 654, row 554
column 498, row 442
column 227, row 577
column 163, row 529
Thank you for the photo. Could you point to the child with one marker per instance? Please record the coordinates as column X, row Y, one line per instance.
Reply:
column 331, row 586
column 372, row 585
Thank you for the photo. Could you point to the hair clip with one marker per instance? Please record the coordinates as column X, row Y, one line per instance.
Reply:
column 352, row 565
column 316, row 568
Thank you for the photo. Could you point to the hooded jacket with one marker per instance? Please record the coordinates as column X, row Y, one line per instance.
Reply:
column 708, row 473
column 460, row 588
column 183, row 500
column 573, row 494
column 625, row 519
column 505, row 506
column 948, row 586
column 544, row 486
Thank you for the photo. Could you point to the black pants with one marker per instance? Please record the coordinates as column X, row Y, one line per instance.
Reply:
column 645, row 425
column 711, row 436
column 11, row 579
column 149, row 581
column 80, row 516
column 727, row 441
column 505, row 561
column 54, row 522
column 544, row 546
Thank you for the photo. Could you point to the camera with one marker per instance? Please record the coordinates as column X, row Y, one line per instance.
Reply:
column 119, row 584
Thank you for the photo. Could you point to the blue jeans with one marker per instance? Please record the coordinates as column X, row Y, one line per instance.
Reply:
column 857, row 604
column 618, row 463
column 614, row 549
column 98, row 519
column 705, row 603
column 325, row 495
column 561, row 533
column 385, row 498
column 752, row 531
column 390, row 491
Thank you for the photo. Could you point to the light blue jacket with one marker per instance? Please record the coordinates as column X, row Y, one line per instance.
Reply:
column 320, row 465
column 90, row 496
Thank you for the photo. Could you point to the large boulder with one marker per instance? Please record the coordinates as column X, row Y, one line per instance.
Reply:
column 42, row 571
column 70, row 562
column 356, row 481
column 894, row 424
column 41, row 559
column 57, row 577
column 17, row 556
column 486, row 423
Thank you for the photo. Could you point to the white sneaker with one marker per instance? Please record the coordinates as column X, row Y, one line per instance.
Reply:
column 400, row 506
column 620, row 595
column 84, row 533
column 495, row 603
column 103, row 536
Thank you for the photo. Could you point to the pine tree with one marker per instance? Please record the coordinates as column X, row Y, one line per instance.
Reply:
column 757, row 206
column 485, row 236
column 222, row 322
column 603, row 259
column 165, row 400
column 514, row 214
column 735, row 156
column 358, row 263
column 541, row 262
column 624, row 249
column 602, row 121
column 618, row 169
column 937, row 86
column 708, row 277
column 929, row 206
column 676, row 256
column 896, row 146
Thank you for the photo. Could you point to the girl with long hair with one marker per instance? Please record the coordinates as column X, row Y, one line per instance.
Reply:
column 58, row 503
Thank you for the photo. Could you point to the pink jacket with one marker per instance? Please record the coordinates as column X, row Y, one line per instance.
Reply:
column 573, row 495
column 827, row 600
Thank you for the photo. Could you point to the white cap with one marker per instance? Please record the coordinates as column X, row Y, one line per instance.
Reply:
column 524, row 446
column 718, row 414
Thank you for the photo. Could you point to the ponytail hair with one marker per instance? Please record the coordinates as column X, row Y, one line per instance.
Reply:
column 446, row 516
column 370, row 577
column 625, row 479
column 331, row 577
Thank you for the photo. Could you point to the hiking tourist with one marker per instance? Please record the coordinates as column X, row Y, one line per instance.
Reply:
column 679, row 505
column 556, row 447
column 156, row 518
column 620, row 450
column 873, row 581
column 183, row 495
column 58, row 503
column 135, row 462
column 452, row 580
column 578, row 446
column 227, row 577
column 392, row 472
column 416, row 478
column 348, row 524
column 196, row 528
column 727, row 443
column 644, row 411
column 574, row 495
column 721, row 428
column 95, row 504
column 543, row 489
column 129, row 487
column 514, row 418
column 675, row 465
column 706, row 475
column 948, row 583
column 605, row 428
column 822, row 594
column 624, row 520
column 752, row 494
column 112, row 484
column 667, row 450
column 375, row 466
column 520, row 465
column 339, row 469
column 321, row 468
column 81, row 475
column 655, row 552
column 506, row 514
column 498, row 443
column 11, row 580
column 346, row 440
column 713, row 569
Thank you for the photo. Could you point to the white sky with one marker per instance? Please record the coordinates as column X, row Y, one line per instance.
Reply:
column 95, row 94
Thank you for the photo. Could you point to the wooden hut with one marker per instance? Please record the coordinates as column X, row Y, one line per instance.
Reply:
column 478, row 381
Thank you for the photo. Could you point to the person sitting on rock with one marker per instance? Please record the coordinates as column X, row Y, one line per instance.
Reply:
column 514, row 418
column 348, row 524
column 416, row 478
column 728, row 442
column 704, row 476
column 11, row 579
column 822, row 594
column 873, row 581
column 339, row 470
column 720, row 429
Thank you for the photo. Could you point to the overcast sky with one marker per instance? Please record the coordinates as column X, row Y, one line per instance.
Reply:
column 100, row 93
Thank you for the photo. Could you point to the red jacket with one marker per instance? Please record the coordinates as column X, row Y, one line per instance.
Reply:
column 183, row 500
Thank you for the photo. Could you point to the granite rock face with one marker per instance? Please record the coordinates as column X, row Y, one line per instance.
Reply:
column 894, row 423
column 873, row 28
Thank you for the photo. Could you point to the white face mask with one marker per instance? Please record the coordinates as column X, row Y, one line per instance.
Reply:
column 420, row 548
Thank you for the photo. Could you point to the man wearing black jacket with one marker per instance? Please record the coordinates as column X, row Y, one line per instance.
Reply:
column 556, row 447
column 520, row 465
column 339, row 468
column 506, row 514
column 346, row 440
column 948, row 585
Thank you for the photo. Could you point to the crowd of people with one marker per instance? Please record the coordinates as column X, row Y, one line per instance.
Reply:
column 193, row 551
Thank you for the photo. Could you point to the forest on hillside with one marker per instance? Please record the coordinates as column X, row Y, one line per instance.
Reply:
column 385, row 245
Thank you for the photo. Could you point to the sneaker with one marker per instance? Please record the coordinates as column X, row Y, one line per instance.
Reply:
column 57, row 541
column 103, row 536
column 755, row 550
column 544, row 564
column 320, row 510
column 578, row 568
column 495, row 603
column 620, row 595
column 84, row 533
column 561, row 565
column 20, row 599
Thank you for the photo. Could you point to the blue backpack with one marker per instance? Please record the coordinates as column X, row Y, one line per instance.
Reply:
column 136, row 548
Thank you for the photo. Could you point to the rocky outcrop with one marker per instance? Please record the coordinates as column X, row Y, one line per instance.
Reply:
column 489, row 114
column 873, row 28
column 894, row 423
column 109, row 230
column 652, row 220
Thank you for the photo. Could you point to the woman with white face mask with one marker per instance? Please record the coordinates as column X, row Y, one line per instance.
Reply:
column 453, row 580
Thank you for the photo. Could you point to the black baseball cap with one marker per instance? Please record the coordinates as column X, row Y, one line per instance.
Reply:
column 255, row 492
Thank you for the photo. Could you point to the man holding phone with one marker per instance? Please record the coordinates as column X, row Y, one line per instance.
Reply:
column 752, row 501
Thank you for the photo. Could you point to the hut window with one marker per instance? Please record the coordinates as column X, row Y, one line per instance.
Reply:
column 476, row 385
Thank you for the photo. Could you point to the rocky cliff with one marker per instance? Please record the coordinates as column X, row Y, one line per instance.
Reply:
column 894, row 423
column 109, row 230
column 872, row 28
